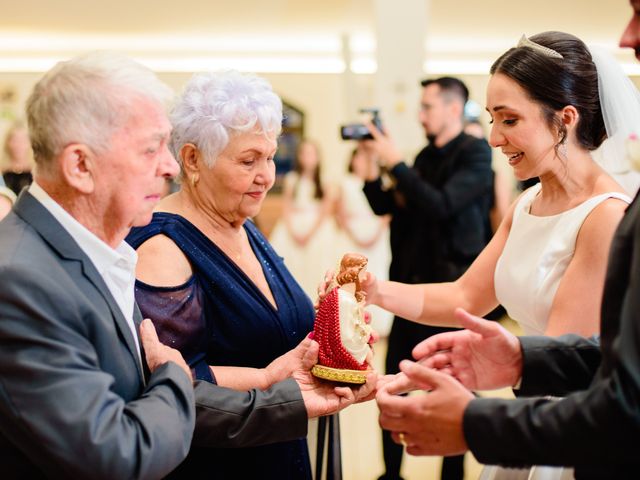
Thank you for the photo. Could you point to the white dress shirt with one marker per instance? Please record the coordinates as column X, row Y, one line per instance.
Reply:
column 117, row 267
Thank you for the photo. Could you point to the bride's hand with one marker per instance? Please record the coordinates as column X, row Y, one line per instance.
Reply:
column 370, row 287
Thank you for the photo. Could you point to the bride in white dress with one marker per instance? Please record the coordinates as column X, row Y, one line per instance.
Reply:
column 546, row 263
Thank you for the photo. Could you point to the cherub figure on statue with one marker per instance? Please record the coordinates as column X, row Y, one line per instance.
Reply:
column 340, row 327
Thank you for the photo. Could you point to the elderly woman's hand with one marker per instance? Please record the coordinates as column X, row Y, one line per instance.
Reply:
column 303, row 357
column 320, row 397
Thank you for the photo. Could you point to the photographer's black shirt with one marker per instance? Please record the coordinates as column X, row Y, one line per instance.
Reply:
column 440, row 210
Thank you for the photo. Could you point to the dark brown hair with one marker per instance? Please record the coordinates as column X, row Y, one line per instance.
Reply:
column 449, row 86
column 555, row 83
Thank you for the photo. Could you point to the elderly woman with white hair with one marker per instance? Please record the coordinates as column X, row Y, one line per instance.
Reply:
column 209, row 279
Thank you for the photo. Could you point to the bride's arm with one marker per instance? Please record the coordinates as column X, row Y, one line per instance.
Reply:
column 435, row 303
column 576, row 305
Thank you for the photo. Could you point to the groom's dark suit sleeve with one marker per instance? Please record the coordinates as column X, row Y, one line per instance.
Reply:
column 598, row 426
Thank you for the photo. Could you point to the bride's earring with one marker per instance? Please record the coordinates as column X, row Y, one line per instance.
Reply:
column 562, row 150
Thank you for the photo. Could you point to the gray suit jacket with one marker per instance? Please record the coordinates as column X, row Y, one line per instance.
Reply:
column 74, row 402
column 596, row 428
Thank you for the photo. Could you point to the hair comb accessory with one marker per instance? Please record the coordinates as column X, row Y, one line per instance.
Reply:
column 525, row 42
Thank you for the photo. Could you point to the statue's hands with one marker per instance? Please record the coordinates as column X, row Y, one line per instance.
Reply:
column 374, row 335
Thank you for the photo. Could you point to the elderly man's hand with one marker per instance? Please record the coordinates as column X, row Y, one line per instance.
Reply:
column 429, row 423
column 325, row 398
column 156, row 353
column 485, row 356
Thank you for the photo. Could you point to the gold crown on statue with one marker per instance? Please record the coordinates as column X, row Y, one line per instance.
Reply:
column 549, row 52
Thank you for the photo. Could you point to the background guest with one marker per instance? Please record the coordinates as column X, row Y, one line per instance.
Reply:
column 7, row 198
column 363, row 231
column 306, row 234
column 18, row 158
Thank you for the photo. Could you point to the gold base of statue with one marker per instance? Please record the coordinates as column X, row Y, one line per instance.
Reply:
column 340, row 375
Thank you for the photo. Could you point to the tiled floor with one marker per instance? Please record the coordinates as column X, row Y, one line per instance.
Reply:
column 362, row 448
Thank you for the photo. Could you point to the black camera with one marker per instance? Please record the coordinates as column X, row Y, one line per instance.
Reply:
column 359, row 131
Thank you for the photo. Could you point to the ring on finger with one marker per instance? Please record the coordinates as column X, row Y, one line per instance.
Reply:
column 403, row 441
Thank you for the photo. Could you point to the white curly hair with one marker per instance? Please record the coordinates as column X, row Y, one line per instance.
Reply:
column 215, row 106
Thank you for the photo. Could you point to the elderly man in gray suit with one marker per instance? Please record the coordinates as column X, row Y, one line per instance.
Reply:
column 81, row 395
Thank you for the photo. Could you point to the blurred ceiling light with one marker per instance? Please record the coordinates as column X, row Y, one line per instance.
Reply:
column 23, row 52
column 363, row 65
column 39, row 43
column 268, row 54
column 275, row 64
column 482, row 67
column 270, row 64
column 459, row 67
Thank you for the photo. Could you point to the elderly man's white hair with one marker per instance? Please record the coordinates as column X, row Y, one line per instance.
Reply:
column 215, row 106
column 85, row 100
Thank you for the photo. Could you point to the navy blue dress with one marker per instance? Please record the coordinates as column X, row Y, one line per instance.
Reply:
column 220, row 317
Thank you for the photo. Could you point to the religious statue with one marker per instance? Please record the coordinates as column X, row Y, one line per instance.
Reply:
column 340, row 328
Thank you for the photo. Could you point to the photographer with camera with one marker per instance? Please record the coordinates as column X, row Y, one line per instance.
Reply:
column 440, row 217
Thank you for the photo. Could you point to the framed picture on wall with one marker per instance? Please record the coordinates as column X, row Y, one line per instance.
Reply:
column 292, row 135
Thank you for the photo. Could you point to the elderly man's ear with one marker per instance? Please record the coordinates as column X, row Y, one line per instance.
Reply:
column 78, row 167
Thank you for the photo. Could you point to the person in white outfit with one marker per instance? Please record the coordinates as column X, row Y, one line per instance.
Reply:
column 363, row 231
column 306, row 235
